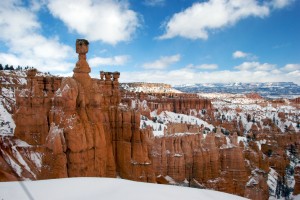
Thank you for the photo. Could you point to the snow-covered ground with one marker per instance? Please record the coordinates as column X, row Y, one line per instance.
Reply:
column 149, row 88
column 7, row 124
column 21, row 162
column 160, row 124
column 7, row 99
column 103, row 188
column 238, row 107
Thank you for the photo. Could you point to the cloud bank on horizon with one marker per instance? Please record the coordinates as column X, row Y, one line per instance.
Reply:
column 157, row 40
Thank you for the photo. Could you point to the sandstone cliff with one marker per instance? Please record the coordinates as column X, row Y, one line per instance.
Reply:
column 79, row 126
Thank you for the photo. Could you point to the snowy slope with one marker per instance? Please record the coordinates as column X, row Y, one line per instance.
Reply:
column 149, row 88
column 259, row 110
column 103, row 188
column 8, row 80
column 167, row 117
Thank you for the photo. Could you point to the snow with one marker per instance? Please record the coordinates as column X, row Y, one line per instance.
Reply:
column 36, row 158
column 260, row 142
column 228, row 144
column 7, row 124
column 103, row 188
column 21, row 143
column 149, row 88
column 20, row 159
column 243, row 139
column 272, row 182
column 297, row 197
column 166, row 117
column 227, row 106
column 170, row 180
column 7, row 99
column 16, row 167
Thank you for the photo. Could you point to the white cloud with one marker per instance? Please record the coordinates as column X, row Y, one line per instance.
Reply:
column 162, row 63
column 26, row 46
column 204, row 66
column 247, row 72
column 239, row 54
column 185, row 75
column 281, row 3
column 109, row 21
column 254, row 66
column 154, row 2
column 294, row 74
column 276, row 71
column 110, row 61
column 291, row 67
column 198, row 20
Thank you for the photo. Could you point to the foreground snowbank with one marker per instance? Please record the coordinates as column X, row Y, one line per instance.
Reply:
column 103, row 188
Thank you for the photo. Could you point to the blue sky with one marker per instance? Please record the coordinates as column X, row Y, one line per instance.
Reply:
column 169, row 41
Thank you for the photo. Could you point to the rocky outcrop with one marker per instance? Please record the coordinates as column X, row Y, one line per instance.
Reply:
column 297, row 180
column 131, row 146
column 296, row 100
column 148, row 87
column 204, row 159
column 79, row 126
column 32, row 106
column 178, row 103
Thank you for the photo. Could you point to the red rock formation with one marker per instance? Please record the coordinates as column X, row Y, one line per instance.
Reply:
column 199, row 160
column 78, row 128
column 297, row 180
column 253, row 96
column 178, row 103
column 296, row 100
column 257, row 187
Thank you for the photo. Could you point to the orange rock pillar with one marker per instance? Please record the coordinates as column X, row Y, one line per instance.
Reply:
column 82, row 68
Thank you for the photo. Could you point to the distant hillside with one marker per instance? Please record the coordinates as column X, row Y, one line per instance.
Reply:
column 148, row 87
column 268, row 89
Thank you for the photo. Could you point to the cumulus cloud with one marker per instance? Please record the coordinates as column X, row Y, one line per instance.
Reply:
column 291, row 67
column 280, row 3
column 109, row 21
column 255, row 66
column 162, row 63
column 20, row 32
column 110, row 61
column 186, row 75
column 204, row 66
column 197, row 21
column 295, row 73
column 241, row 54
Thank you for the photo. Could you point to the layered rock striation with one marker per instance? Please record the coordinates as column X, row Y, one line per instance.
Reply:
column 80, row 126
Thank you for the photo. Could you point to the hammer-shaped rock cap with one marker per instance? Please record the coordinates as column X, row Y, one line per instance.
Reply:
column 82, row 41
column 82, row 46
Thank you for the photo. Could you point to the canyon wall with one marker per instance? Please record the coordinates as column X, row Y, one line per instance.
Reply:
column 79, row 126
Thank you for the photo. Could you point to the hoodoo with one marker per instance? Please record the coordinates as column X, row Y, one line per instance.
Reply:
column 81, row 126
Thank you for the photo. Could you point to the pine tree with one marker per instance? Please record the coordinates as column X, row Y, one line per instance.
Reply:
column 1, row 67
column 6, row 67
